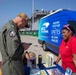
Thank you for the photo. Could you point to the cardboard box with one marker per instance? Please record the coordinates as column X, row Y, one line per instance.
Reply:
column 0, row 71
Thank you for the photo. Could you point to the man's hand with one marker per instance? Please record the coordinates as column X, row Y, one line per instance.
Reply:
column 25, row 46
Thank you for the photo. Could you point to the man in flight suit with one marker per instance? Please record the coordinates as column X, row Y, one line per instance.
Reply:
column 11, row 46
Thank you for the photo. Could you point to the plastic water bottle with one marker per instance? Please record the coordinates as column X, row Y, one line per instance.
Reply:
column 68, row 71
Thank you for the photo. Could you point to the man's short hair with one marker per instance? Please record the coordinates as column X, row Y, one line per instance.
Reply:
column 25, row 17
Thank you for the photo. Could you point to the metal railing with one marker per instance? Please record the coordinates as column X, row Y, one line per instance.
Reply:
column 31, row 33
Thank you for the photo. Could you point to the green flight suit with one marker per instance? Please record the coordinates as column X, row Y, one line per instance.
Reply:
column 11, row 50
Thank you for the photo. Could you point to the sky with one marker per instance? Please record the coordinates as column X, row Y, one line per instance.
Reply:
column 9, row 9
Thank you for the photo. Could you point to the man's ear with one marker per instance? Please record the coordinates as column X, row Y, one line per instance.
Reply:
column 22, row 19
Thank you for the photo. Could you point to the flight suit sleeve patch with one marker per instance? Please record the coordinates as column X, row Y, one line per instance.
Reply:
column 12, row 33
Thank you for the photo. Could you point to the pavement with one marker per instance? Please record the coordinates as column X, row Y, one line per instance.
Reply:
column 36, row 48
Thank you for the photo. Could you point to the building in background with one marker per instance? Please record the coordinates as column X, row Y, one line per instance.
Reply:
column 37, row 15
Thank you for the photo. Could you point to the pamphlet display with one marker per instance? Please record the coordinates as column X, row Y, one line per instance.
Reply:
column 35, row 71
column 55, row 71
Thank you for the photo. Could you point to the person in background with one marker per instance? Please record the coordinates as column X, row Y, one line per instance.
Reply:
column 29, row 61
column 11, row 46
column 68, row 49
column 28, row 56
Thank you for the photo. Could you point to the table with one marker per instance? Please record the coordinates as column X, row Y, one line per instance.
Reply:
column 45, row 71
column 55, row 68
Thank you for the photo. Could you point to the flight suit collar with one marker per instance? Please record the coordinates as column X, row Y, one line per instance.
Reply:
column 11, row 21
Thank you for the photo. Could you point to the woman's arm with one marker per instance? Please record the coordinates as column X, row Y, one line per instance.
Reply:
column 58, row 59
column 73, row 45
column 74, row 59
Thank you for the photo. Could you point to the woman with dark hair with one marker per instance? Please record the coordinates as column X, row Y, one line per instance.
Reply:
column 68, row 49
